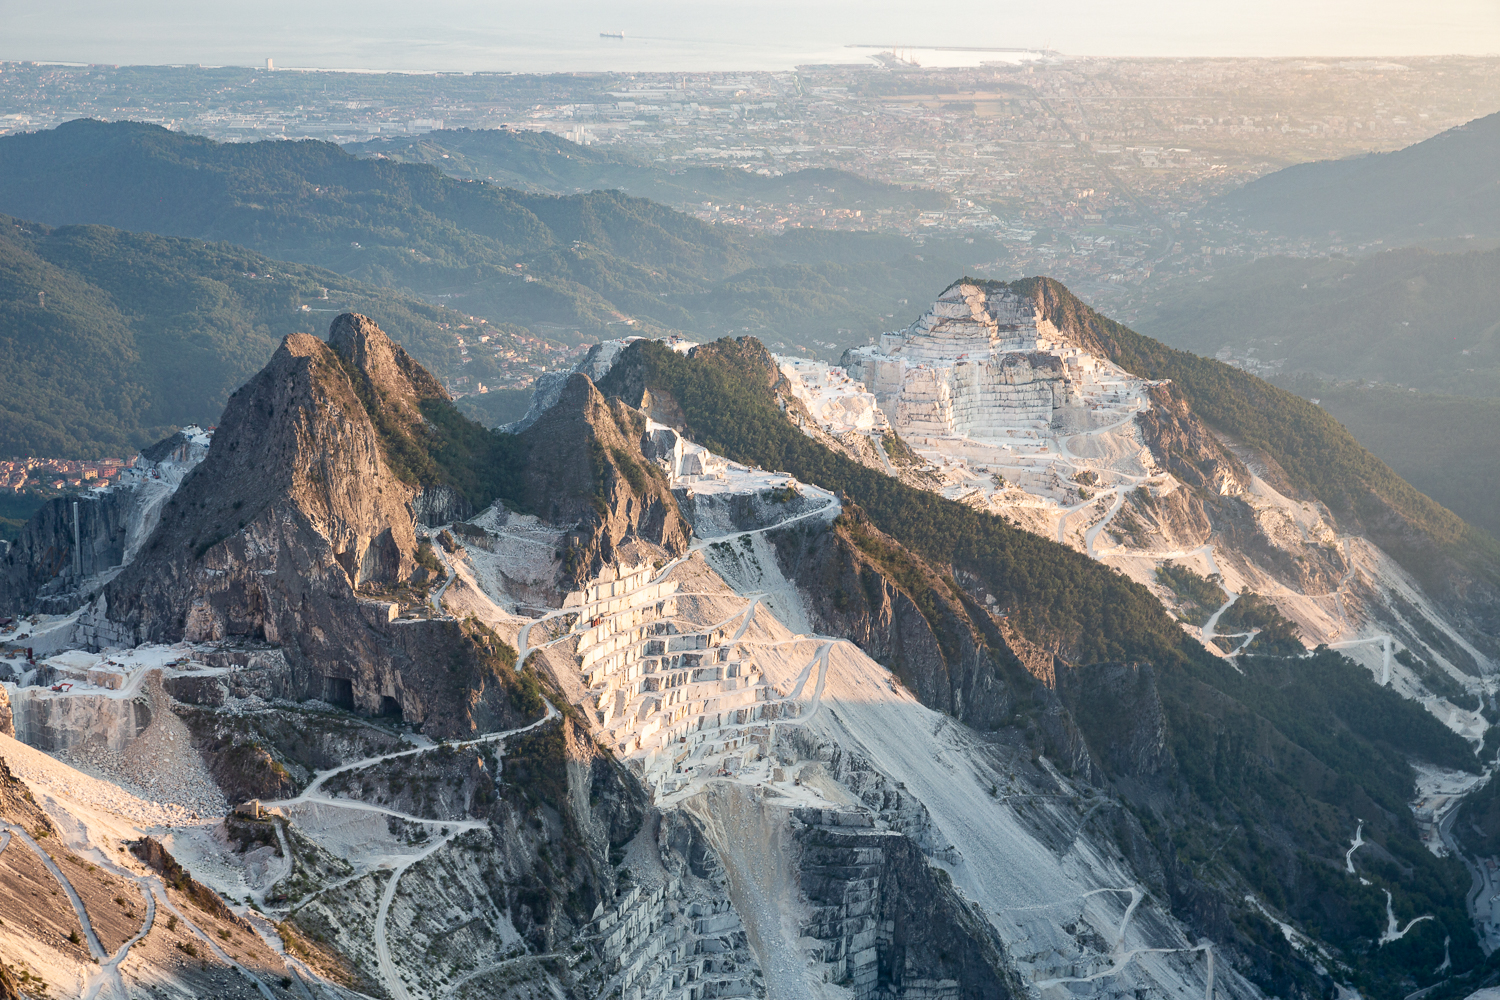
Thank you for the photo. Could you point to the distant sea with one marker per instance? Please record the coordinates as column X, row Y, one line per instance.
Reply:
column 675, row 35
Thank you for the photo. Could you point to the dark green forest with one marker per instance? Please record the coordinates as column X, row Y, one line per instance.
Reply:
column 1446, row 446
column 112, row 340
column 1410, row 317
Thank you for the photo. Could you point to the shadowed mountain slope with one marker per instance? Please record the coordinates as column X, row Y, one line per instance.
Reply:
column 574, row 265
column 1441, row 187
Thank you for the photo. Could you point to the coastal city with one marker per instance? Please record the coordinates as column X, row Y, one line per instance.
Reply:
column 1099, row 172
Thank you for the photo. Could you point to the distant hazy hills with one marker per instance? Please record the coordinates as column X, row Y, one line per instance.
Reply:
column 585, row 262
column 111, row 339
column 1446, row 446
column 1425, row 320
column 1403, row 320
column 544, row 162
column 1446, row 186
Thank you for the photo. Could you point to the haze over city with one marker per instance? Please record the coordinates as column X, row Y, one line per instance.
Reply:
column 784, row 500
column 463, row 35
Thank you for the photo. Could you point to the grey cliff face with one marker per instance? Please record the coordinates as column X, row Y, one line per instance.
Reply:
column 583, row 465
column 294, row 510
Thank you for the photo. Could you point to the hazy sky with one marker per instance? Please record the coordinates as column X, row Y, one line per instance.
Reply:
column 703, row 34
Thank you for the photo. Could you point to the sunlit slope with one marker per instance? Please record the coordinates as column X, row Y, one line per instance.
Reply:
column 112, row 339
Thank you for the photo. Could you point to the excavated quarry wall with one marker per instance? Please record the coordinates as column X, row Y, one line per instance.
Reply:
column 714, row 514
column 38, row 573
column 888, row 922
column 440, row 504
column 977, row 398
column 680, row 932
column 53, row 723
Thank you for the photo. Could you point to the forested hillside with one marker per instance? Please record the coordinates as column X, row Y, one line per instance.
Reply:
column 1446, row 446
column 1441, row 187
column 581, row 266
column 112, row 340
column 545, row 162
column 1248, row 764
column 1424, row 320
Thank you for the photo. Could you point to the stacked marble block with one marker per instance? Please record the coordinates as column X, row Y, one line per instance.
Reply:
column 653, row 686
column 664, row 943
column 978, row 366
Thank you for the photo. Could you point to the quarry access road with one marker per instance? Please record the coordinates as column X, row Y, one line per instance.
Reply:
column 398, row 865
column 1120, row 958
column 1092, row 534
column 312, row 794
column 388, row 971
column 155, row 890
column 523, row 640
column 107, row 976
column 452, row 987
column 109, row 972
column 95, row 948
column 1385, row 674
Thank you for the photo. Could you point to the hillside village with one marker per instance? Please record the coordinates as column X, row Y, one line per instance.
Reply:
column 21, row 475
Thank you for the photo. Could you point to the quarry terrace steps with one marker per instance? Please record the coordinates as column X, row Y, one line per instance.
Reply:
column 676, row 702
column 657, row 943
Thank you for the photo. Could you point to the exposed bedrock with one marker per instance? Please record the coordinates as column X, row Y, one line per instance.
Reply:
column 440, row 504
column 714, row 514
column 582, row 465
column 54, row 724
column 1185, row 447
column 933, row 634
column 293, row 511
column 45, row 571
column 38, row 573
column 890, row 923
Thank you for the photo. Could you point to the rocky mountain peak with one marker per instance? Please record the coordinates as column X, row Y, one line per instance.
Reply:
column 399, row 382
column 296, row 473
column 584, row 465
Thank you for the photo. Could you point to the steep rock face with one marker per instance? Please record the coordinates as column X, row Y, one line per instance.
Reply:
column 39, row 572
column 39, row 569
column 293, row 511
column 583, row 465
column 1185, row 447
column 934, row 646
column 295, row 475
column 295, row 488
column 1119, row 707
column 891, row 918
column 933, row 633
